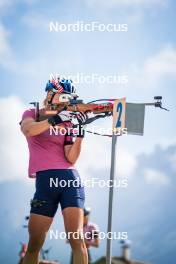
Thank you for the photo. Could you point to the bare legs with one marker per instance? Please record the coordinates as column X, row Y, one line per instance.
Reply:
column 73, row 220
column 38, row 228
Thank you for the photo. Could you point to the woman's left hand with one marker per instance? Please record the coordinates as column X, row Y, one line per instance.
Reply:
column 81, row 118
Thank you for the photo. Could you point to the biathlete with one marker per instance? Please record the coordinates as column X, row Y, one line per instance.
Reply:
column 53, row 156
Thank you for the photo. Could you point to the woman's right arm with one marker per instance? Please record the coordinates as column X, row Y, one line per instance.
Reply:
column 30, row 127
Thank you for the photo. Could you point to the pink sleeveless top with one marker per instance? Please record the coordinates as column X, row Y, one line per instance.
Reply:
column 45, row 151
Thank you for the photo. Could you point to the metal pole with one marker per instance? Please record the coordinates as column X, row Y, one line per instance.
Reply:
column 111, row 192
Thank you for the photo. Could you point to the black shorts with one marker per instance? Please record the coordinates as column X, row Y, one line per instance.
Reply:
column 57, row 186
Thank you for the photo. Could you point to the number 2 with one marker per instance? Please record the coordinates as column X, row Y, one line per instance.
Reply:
column 119, row 109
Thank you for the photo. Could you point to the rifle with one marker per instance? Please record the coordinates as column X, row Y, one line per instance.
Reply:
column 68, row 102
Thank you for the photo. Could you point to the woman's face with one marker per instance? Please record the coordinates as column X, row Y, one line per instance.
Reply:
column 55, row 99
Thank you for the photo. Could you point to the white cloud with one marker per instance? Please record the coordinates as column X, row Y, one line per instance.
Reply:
column 13, row 148
column 6, row 53
column 96, row 156
column 162, row 64
column 155, row 69
column 127, row 3
column 172, row 160
column 156, row 177
column 126, row 163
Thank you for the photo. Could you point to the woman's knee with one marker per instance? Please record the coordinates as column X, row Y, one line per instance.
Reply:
column 77, row 245
column 35, row 244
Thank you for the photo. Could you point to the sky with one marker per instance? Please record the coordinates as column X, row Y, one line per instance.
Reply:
column 145, row 56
